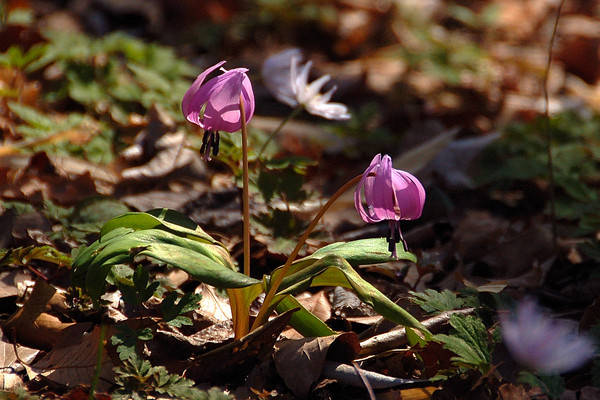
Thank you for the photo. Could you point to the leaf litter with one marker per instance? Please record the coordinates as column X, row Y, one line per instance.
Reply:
column 481, row 237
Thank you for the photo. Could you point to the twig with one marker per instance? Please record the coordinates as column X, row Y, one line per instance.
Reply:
column 550, row 164
column 364, row 379
column 348, row 375
column 397, row 338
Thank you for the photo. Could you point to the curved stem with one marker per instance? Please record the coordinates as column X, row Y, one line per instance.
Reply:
column 291, row 115
column 245, row 189
column 266, row 306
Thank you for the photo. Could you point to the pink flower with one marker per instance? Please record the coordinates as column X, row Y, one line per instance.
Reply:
column 390, row 194
column 215, row 105
column 542, row 344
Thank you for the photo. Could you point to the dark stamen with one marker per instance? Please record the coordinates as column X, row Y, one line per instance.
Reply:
column 210, row 141
column 216, row 144
column 394, row 237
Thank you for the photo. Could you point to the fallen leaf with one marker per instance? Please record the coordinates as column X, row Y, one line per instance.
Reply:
column 73, row 360
column 9, row 280
column 11, row 355
column 40, row 178
column 238, row 357
column 213, row 307
column 300, row 362
column 32, row 325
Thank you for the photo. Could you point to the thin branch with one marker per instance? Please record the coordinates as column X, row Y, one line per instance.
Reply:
column 550, row 164
column 396, row 338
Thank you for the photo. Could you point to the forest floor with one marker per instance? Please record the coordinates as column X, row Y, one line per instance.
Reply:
column 466, row 96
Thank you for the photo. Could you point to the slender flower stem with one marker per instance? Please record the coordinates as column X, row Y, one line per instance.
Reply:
column 291, row 115
column 266, row 307
column 550, row 165
column 245, row 189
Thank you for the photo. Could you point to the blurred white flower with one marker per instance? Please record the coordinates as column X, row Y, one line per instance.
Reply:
column 288, row 82
column 275, row 72
column 543, row 344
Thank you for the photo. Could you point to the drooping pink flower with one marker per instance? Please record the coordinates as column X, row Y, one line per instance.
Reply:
column 543, row 344
column 390, row 194
column 215, row 105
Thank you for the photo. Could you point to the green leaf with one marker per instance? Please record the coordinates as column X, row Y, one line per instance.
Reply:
column 23, row 255
column 305, row 322
column 357, row 252
column 126, row 340
column 32, row 116
column 469, row 342
column 333, row 270
column 150, row 79
column 167, row 237
column 172, row 309
column 434, row 302
column 552, row 385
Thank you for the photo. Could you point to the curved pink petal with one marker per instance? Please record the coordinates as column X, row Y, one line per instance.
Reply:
column 222, row 111
column 365, row 185
column 382, row 202
column 410, row 195
column 248, row 97
column 389, row 194
column 191, row 104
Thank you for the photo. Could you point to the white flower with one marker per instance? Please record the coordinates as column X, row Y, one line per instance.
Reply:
column 542, row 344
column 288, row 82
column 276, row 75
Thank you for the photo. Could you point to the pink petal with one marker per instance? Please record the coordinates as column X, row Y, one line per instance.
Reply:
column 248, row 96
column 191, row 104
column 382, row 202
column 410, row 194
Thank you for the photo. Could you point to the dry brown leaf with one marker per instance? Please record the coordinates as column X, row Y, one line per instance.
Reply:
column 11, row 359
column 72, row 361
column 32, row 325
column 41, row 179
column 213, row 308
column 300, row 362
column 509, row 391
column 9, row 280
column 237, row 358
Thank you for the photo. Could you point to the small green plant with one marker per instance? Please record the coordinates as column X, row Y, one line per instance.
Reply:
column 138, row 379
column 470, row 341
column 520, row 155
column 552, row 385
column 169, row 237
column 433, row 302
